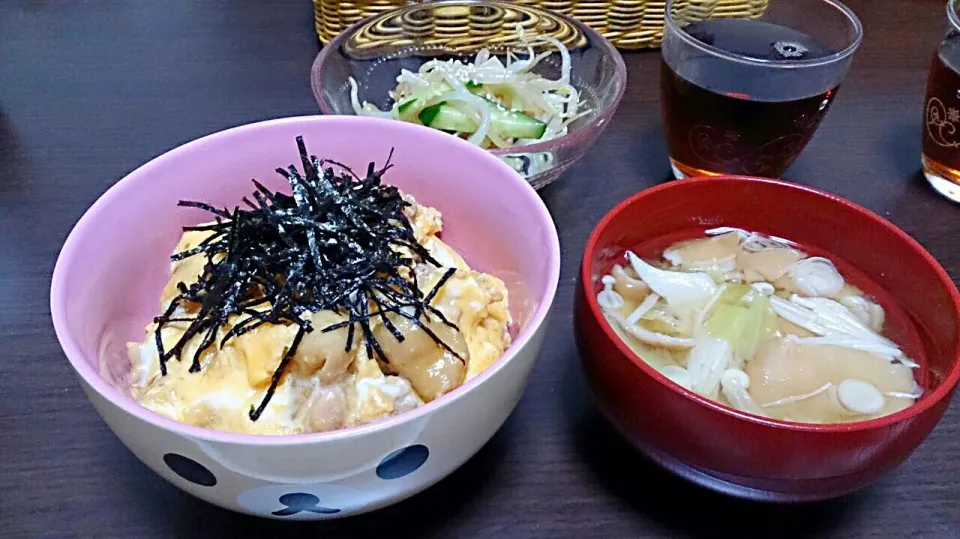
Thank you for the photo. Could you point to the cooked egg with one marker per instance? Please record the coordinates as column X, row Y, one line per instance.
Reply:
column 326, row 386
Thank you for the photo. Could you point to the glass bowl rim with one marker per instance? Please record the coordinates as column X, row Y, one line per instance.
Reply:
column 953, row 6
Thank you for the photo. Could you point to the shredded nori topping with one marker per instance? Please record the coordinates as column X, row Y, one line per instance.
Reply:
column 333, row 244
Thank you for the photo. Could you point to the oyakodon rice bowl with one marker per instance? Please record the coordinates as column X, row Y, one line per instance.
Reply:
column 99, row 308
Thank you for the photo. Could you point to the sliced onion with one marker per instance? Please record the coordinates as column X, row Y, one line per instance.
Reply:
column 498, row 141
column 564, row 60
column 554, row 102
column 648, row 303
column 482, row 57
column 523, row 65
column 651, row 337
column 367, row 109
column 418, row 83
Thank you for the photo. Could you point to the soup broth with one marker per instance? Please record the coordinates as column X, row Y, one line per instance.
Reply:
column 765, row 326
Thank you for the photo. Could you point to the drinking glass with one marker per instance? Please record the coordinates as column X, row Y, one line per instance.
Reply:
column 742, row 93
column 941, row 120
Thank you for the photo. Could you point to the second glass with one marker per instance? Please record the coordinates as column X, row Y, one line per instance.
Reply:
column 743, row 94
column 941, row 122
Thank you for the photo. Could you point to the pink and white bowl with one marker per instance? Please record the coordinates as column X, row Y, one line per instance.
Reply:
column 111, row 270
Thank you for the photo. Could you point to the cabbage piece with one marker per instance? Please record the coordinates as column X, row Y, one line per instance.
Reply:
column 742, row 317
column 727, row 322
column 761, row 324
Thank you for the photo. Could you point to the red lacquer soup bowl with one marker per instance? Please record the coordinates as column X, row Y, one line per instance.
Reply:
column 738, row 453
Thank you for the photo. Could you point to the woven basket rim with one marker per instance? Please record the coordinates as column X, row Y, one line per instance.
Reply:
column 628, row 24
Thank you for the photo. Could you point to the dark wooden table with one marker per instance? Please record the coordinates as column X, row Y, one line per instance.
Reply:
column 90, row 90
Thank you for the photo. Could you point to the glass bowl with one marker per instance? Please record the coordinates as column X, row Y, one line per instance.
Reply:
column 374, row 50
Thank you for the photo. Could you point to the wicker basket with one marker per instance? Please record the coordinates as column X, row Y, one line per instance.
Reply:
column 628, row 24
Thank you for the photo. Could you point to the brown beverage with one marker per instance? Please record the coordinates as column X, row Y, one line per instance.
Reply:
column 719, row 120
column 941, row 119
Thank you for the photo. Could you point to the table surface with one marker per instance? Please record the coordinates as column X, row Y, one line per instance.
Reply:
column 91, row 90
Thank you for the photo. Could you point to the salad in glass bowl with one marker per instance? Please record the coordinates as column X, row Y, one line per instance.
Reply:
column 533, row 87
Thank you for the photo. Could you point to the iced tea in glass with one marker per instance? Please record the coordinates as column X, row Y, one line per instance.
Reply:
column 744, row 94
column 941, row 119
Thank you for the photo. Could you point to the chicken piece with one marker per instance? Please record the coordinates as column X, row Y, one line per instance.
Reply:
column 327, row 409
column 432, row 370
column 325, row 353
column 263, row 348
column 426, row 221
column 371, row 395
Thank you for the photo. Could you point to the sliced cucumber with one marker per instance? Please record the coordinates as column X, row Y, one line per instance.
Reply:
column 403, row 107
column 444, row 117
column 495, row 93
column 515, row 124
column 507, row 123
column 407, row 111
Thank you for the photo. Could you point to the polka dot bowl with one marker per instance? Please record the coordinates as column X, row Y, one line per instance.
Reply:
column 114, row 264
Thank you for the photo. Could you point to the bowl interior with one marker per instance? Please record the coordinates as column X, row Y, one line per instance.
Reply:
column 859, row 241
column 107, row 282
